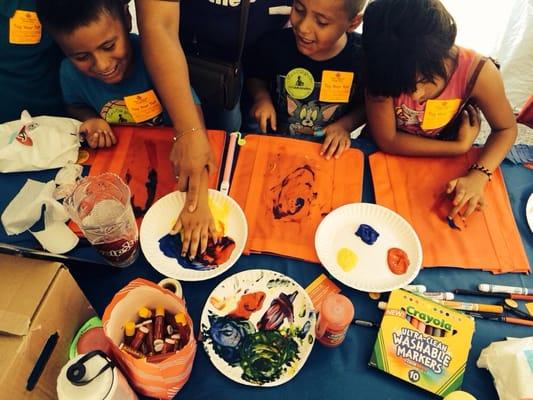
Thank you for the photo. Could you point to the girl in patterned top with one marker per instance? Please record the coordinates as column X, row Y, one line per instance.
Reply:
column 419, row 82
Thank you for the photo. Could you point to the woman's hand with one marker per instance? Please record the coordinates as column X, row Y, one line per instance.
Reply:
column 195, row 228
column 191, row 155
column 98, row 133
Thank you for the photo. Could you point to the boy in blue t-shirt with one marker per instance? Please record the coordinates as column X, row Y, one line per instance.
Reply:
column 104, row 80
column 306, row 80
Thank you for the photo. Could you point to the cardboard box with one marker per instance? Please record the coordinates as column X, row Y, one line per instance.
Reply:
column 39, row 303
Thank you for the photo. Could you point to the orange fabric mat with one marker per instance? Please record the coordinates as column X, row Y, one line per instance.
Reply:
column 414, row 187
column 141, row 151
column 285, row 189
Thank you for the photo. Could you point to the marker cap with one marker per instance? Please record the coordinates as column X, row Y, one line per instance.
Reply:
column 484, row 287
column 129, row 328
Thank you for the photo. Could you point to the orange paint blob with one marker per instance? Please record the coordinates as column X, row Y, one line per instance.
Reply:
column 247, row 304
column 398, row 261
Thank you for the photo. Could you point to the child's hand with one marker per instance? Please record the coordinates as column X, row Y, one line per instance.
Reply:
column 469, row 127
column 196, row 227
column 336, row 141
column 263, row 111
column 468, row 190
column 98, row 133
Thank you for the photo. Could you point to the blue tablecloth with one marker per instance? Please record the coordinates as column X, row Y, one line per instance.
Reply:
column 329, row 373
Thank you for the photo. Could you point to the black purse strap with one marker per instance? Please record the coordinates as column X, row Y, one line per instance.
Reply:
column 245, row 7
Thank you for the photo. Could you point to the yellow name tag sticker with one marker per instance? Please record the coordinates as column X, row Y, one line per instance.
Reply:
column 439, row 112
column 336, row 86
column 24, row 28
column 143, row 106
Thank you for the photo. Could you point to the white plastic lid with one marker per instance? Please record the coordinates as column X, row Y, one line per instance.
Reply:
column 99, row 389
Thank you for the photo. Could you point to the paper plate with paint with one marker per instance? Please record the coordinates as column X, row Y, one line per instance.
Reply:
column 163, row 251
column 368, row 247
column 529, row 211
column 258, row 327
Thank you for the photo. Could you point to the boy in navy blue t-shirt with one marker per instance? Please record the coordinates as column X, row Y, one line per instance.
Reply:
column 306, row 80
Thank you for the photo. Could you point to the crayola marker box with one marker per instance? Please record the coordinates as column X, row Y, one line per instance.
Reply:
column 423, row 343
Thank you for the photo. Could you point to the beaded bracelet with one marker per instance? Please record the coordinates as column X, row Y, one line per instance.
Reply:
column 178, row 136
column 479, row 167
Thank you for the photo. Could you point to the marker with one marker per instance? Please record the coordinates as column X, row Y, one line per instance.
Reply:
column 509, row 320
column 438, row 295
column 415, row 288
column 482, row 294
column 368, row 324
column 459, row 305
column 491, row 294
column 224, row 186
column 485, row 287
column 421, row 326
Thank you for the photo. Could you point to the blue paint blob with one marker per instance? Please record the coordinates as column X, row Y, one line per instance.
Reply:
column 367, row 234
column 171, row 245
column 451, row 223
column 215, row 254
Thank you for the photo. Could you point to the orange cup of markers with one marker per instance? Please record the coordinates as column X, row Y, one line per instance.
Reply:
column 336, row 314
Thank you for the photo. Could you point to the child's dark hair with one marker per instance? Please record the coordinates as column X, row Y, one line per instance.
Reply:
column 354, row 7
column 405, row 41
column 65, row 16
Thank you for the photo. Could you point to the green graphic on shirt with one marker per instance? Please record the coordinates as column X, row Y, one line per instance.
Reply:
column 116, row 112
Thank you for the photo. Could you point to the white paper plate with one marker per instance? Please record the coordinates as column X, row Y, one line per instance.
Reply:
column 249, row 344
column 159, row 220
column 529, row 212
column 371, row 273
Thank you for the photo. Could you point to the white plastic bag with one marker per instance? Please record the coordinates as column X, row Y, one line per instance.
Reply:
column 37, row 143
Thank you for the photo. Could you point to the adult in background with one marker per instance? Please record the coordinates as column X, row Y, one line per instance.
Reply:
column 29, row 63
column 206, row 28
column 211, row 28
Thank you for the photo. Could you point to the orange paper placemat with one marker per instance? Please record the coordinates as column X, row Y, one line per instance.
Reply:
column 414, row 187
column 141, row 158
column 285, row 189
column 142, row 152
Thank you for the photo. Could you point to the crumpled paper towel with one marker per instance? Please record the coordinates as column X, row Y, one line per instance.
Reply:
column 511, row 364
column 25, row 210
column 66, row 180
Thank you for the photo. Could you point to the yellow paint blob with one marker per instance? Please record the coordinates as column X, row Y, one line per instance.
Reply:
column 220, row 211
column 346, row 259
column 459, row 395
